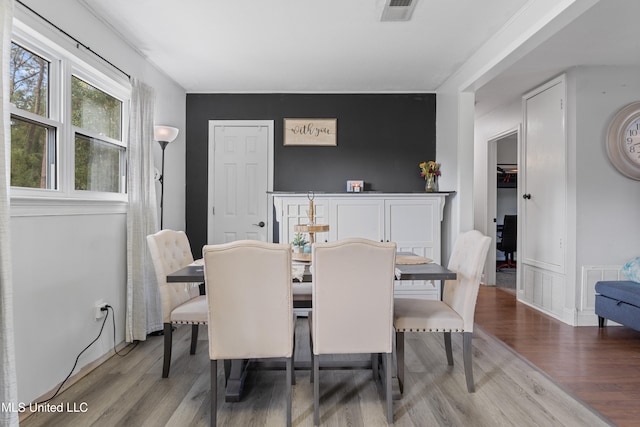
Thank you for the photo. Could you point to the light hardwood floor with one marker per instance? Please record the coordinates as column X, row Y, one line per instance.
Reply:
column 128, row 391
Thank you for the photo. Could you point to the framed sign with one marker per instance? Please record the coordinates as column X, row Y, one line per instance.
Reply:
column 318, row 132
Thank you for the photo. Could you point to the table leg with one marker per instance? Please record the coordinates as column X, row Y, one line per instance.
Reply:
column 388, row 367
column 235, row 381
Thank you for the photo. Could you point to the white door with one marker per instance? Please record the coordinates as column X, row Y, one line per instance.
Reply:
column 240, row 176
column 543, row 225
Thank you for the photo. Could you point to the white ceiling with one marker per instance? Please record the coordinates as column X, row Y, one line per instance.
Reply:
column 284, row 46
column 608, row 34
column 304, row 45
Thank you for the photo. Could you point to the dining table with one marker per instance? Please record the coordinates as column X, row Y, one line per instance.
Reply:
column 302, row 273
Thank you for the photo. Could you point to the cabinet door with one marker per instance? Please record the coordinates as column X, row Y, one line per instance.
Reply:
column 414, row 225
column 357, row 217
column 295, row 211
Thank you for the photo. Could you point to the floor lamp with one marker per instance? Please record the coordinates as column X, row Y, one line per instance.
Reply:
column 164, row 135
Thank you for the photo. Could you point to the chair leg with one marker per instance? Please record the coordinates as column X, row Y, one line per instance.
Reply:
column 194, row 339
column 316, row 390
column 311, row 352
column 400, row 359
column 214, row 392
column 293, row 352
column 387, row 385
column 467, row 353
column 290, row 381
column 447, row 348
column 166, row 364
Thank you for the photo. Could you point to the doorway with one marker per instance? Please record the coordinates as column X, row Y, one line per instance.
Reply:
column 240, row 179
column 503, row 202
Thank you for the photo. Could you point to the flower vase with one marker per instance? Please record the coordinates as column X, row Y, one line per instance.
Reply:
column 431, row 186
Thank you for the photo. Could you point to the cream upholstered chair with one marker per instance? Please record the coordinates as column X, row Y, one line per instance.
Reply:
column 181, row 302
column 455, row 312
column 352, row 305
column 249, row 289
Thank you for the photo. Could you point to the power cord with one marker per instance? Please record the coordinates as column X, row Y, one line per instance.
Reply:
column 113, row 319
column 104, row 322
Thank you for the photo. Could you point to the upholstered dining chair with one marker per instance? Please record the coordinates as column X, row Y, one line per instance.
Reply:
column 249, row 288
column 181, row 302
column 455, row 312
column 352, row 312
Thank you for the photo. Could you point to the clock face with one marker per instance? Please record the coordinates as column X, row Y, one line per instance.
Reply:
column 632, row 141
column 623, row 141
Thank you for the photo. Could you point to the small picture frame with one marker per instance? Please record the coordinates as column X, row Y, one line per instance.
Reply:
column 310, row 132
column 355, row 186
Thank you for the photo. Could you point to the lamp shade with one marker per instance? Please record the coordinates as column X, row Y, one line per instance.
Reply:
column 165, row 133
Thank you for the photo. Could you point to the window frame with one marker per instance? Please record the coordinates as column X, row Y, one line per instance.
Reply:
column 102, row 84
column 65, row 63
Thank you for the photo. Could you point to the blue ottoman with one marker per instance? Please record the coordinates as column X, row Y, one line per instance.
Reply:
column 618, row 300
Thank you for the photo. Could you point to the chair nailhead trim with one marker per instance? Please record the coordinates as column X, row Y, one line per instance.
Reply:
column 188, row 323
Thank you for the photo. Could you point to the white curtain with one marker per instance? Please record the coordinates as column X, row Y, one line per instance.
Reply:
column 8, row 384
column 143, row 300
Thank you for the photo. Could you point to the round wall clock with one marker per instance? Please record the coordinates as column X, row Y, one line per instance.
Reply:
column 623, row 141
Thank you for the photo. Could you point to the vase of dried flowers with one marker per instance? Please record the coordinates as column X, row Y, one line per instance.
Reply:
column 430, row 171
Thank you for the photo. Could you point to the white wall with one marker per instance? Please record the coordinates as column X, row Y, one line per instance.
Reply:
column 607, row 203
column 67, row 258
column 62, row 266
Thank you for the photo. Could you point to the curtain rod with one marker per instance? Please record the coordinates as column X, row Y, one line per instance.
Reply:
column 78, row 42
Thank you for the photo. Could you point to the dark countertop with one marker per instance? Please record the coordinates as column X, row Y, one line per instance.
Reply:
column 361, row 192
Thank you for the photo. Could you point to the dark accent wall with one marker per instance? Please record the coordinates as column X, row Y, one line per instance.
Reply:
column 381, row 139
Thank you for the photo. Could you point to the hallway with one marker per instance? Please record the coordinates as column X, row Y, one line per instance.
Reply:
column 601, row 367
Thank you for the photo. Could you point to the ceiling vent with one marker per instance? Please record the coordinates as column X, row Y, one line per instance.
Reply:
column 398, row 10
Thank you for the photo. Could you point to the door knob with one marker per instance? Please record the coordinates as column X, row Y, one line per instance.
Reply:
column 260, row 224
column 526, row 196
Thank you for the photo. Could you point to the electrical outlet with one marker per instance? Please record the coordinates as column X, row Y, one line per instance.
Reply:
column 99, row 312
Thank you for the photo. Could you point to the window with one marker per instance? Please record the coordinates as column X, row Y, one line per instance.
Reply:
column 98, row 165
column 33, row 142
column 32, row 154
column 95, row 110
column 67, row 120
column 100, row 160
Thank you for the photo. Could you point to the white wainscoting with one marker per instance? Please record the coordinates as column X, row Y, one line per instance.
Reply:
column 544, row 290
column 590, row 275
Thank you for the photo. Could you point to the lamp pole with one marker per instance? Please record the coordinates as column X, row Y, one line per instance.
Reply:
column 163, row 145
column 164, row 135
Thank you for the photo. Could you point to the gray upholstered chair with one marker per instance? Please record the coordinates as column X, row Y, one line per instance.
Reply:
column 181, row 302
column 249, row 289
column 352, row 305
column 455, row 312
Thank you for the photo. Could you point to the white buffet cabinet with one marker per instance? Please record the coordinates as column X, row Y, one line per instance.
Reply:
column 411, row 220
